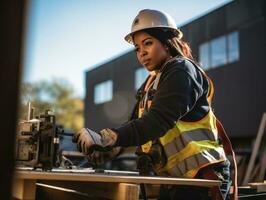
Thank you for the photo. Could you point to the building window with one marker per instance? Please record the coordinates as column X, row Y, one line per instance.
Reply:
column 218, row 51
column 103, row 92
column 204, row 55
column 140, row 76
column 233, row 47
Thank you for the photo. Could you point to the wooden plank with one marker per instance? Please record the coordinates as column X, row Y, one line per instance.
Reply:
column 261, row 187
column 255, row 150
column 116, row 191
column 262, row 170
column 127, row 191
column 114, row 178
column 13, row 35
column 114, row 186
column 152, row 191
column 24, row 189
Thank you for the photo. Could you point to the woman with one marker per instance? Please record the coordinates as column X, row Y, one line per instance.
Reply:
column 173, row 123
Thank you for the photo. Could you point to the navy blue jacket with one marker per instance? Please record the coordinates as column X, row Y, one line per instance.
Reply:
column 181, row 95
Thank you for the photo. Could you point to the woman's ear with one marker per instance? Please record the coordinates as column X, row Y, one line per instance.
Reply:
column 167, row 49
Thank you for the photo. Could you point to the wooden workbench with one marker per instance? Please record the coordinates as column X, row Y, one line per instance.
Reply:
column 104, row 185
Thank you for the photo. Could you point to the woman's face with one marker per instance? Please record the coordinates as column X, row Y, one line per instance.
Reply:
column 151, row 53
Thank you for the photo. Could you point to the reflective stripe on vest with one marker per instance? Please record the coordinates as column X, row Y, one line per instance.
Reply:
column 188, row 146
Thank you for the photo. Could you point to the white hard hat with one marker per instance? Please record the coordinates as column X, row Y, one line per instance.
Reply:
column 152, row 19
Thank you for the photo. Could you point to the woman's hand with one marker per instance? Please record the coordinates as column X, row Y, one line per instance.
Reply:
column 86, row 139
column 100, row 157
column 109, row 137
column 98, row 146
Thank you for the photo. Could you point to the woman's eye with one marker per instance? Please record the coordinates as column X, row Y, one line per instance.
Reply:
column 148, row 43
column 136, row 49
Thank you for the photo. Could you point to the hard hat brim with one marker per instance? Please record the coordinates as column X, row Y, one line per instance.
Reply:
column 129, row 37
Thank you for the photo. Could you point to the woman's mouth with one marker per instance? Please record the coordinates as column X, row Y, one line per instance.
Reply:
column 146, row 62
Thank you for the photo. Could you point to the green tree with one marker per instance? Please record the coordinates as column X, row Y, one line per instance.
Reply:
column 56, row 95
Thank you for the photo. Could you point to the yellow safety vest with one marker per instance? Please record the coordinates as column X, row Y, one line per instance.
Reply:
column 188, row 146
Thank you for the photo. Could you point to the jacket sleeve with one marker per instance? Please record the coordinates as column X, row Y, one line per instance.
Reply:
column 176, row 95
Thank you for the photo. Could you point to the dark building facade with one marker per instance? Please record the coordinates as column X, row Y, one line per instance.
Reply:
column 229, row 42
column 116, row 110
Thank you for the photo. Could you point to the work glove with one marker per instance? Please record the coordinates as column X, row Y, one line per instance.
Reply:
column 88, row 140
column 109, row 137
column 100, row 157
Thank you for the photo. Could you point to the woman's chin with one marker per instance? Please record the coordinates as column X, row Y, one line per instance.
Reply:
column 152, row 68
column 149, row 68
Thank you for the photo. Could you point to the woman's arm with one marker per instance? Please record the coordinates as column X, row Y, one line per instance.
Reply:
column 176, row 95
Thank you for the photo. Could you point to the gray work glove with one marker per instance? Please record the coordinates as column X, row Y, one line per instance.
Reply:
column 89, row 141
column 86, row 140
column 109, row 137
column 100, row 157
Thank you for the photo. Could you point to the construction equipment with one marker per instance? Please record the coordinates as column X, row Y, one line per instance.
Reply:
column 255, row 152
column 254, row 185
column 37, row 141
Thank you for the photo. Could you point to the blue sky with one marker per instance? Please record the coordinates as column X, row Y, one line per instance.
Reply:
column 65, row 38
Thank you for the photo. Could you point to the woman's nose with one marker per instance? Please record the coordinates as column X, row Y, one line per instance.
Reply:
column 143, row 52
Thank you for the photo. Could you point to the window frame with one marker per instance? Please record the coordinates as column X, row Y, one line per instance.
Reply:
column 100, row 95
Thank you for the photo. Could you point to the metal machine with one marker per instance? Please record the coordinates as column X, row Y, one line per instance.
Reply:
column 37, row 141
column 43, row 144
